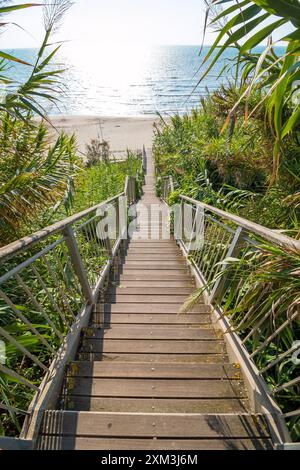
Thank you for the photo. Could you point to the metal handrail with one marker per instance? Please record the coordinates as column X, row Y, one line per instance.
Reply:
column 57, row 273
column 252, row 227
column 19, row 246
column 210, row 238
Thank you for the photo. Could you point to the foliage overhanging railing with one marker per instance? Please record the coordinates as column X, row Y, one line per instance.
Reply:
column 49, row 282
column 252, row 274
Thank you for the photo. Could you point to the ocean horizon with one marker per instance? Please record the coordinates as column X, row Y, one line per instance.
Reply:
column 129, row 81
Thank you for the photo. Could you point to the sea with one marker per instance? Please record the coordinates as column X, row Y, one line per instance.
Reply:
column 130, row 80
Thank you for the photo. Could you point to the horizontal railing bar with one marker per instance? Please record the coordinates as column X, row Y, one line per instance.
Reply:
column 280, row 358
column 29, row 261
column 286, row 385
column 20, row 245
column 80, row 227
column 25, row 351
column 218, row 222
column 273, row 335
column 292, row 414
column 18, row 377
column 266, row 233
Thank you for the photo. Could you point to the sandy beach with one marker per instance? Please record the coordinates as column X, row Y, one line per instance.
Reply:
column 122, row 133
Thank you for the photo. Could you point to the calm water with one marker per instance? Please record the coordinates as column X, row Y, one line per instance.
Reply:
column 130, row 81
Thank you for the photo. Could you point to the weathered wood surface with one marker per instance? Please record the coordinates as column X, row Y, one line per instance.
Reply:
column 152, row 332
column 82, row 443
column 190, row 430
column 133, row 357
column 164, row 319
column 147, row 377
column 144, row 299
column 160, row 388
column 156, row 405
column 149, row 426
column 154, row 308
column 152, row 346
column 146, row 370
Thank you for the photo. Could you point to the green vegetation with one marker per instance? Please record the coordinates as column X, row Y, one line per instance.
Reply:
column 240, row 151
column 230, row 171
column 243, row 25
column 103, row 180
column 42, row 181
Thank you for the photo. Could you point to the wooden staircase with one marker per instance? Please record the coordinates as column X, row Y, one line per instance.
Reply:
column 150, row 378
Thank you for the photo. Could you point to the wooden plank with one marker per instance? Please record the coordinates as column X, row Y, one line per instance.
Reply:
column 148, row 243
column 161, row 275
column 153, row 257
column 167, row 319
column 155, row 405
column 90, row 443
column 152, row 346
column 155, row 264
column 151, row 332
column 125, row 290
column 143, row 299
column 146, row 254
column 157, row 283
column 167, row 269
column 147, row 248
column 100, row 369
column 153, row 358
column 135, row 425
column 149, row 308
column 156, row 388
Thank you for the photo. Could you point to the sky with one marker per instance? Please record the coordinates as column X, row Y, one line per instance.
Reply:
column 117, row 21
column 114, row 21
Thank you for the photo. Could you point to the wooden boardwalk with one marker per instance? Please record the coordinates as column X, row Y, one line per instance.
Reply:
column 150, row 378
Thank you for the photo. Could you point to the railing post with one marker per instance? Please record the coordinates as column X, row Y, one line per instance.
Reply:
column 144, row 159
column 234, row 249
column 131, row 190
column 134, row 188
column 108, row 241
column 182, row 223
column 126, row 189
column 171, row 182
column 118, row 231
column 78, row 265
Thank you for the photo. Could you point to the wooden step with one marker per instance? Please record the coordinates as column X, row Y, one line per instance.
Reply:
column 100, row 370
column 154, row 405
column 152, row 346
column 156, row 388
column 189, row 431
column 162, row 275
column 146, row 299
column 150, row 332
column 57, row 442
column 153, row 358
column 165, row 291
column 145, row 252
column 164, row 319
column 155, row 264
column 146, row 257
column 170, row 242
column 158, row 283
column 153, row 308
column 149, row 308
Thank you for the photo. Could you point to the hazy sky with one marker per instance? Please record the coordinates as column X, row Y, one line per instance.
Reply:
column 115, row 21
